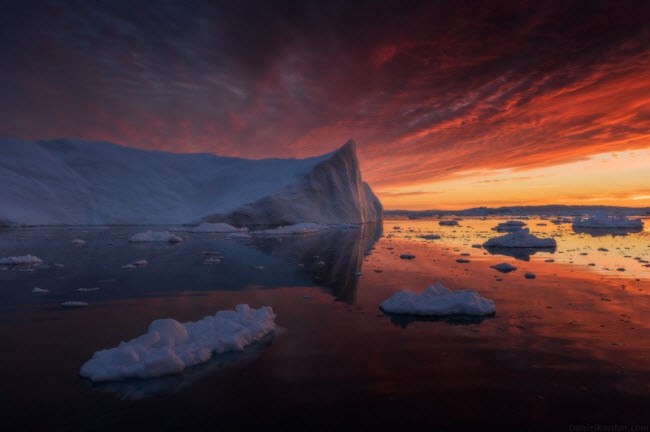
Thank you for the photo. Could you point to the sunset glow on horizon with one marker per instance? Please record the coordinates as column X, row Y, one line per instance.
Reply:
column 452, row 105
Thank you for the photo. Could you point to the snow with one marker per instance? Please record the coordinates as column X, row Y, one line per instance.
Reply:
column 504, row 267
column 605, row 221
column 21, row 260
column 155, row 236
column 438, row 300
column 520, row 239
column 74, row 182
column 299, row 228
column 169, row 346
column 218, row 227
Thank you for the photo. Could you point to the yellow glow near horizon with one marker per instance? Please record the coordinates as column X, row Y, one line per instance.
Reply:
column 620, row 178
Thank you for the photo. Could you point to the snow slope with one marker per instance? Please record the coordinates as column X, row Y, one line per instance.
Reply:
column 71, row 182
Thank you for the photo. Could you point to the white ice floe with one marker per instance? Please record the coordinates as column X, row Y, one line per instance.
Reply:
column 78, row 242
column 155, row 236
column 438, row 300
column 21, row 260
column 170, row 346
column 74, row 304
column 520, row 239
column 504, row 267
column 87, row 289
column 606, row 221
column 299, row 228
column 219, row 227
column 40, row 290
column 140, row 263
column 510, row 226
column 448, row 223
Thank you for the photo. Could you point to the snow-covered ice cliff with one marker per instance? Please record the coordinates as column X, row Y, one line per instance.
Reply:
column 72, row 182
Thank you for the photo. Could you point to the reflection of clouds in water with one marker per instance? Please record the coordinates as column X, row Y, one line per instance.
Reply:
column 135, row 389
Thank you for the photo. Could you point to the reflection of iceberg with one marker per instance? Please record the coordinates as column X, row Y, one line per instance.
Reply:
column 405, row 320
column 599, row 232
column 522, row 254
column 331, row 258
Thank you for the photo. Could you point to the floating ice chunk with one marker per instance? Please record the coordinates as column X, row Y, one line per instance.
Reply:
column 430, row 236
column 74, row 304
column 504, row 267
column 40, row 290
column 510, row 226
column 530, row 275
column 438, row 300
column 87, row 289
column 21, row 260
column 448, row 223
column 462, row 260
column 520, row 239
column 407, row 256
column 128, row 266
column 140, row 263
column 212, row 259
column 299, row 228
column 218, row 228
column 561, row 220
column 169, row 346
column 605, row 221
column 78, row 242
column 155, row 236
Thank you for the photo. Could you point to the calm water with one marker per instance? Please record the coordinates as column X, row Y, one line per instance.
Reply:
column 568, row 347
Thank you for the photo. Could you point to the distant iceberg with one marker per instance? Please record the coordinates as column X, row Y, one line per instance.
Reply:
column 520, row 239
column 73, row 182
column 170, row 346
column 510, row 226
column 437, row 300
column 605, row 221
column 155, row 236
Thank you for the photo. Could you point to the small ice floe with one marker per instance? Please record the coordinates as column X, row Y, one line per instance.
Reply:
column 509, row 226
column 448, row 222
column 155, row 236
column 504, row 267
column 212, row 259
column 40, row 290
column 140, row 263
column 530, row 275
column 520, row 239
column 407, row 256
column 429, row 236
column 608, row 221
column 462, row 260
column 477, row 246
column 128, row 266
column 299, row 228
column 74, row 304
column 562, row 220
column 438, row 300
column 29, row 260
column 602, row 249
column 170, row 346
column 78, row 242
column 218, row 228
column 397, row 228
column 87, row 289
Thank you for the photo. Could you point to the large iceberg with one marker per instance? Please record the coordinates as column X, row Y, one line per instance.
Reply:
column 71, row 182
column 605, row 221
column 169, row 346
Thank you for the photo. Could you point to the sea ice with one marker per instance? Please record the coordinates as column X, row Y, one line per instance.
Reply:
column 170, row 346
column 438, row 300
column 78, row 242
column 504, row 267
column 520, row 239
column 605, row 221
column 74, row 304
column 40, row 290
column 21, row 260
column 155, row 236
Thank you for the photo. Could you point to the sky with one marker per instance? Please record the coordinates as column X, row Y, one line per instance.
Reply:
column 452, row 104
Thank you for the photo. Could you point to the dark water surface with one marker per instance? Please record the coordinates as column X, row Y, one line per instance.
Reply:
column 570, row 347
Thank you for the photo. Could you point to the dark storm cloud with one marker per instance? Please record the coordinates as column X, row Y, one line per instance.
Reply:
column 428, row 89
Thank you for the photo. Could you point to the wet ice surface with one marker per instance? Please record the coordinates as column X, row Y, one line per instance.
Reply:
column 569, row 346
